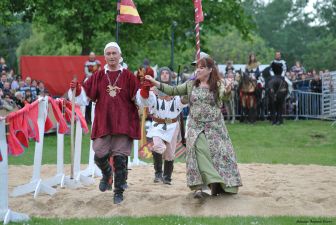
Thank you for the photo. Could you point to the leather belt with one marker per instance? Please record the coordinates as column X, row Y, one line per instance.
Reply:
column 164, row 121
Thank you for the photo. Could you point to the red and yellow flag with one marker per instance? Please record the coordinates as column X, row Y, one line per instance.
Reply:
column 128, row 12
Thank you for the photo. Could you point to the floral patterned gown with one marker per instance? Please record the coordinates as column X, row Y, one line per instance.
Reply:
column 206, row 127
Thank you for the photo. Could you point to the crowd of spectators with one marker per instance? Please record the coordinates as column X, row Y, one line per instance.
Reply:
column 15, row 93
column 310, row 81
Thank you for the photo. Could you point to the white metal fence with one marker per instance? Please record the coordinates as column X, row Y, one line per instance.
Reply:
column 329, row 95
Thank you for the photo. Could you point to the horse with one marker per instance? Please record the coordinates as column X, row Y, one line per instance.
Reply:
column 247, row 88
column 277, row 91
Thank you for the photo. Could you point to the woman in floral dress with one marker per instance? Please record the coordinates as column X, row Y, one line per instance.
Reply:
column 210, row 157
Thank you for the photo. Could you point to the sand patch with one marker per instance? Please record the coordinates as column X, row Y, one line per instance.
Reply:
column 268, row 190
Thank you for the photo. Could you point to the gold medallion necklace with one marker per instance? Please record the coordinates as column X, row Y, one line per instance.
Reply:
column 113, row 90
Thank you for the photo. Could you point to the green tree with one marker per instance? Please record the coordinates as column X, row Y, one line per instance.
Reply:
column 327, row 15
column 285, row 26
column 10, row 38
column 13, row 29
column 321, row 54
column 46, row 41
column 234, row 47
column 84, row 23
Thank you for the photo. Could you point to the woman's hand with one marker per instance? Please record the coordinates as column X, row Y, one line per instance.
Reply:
column 152, row 80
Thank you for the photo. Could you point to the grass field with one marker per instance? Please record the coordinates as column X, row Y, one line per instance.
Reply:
column 295, row 142
column 176, row 220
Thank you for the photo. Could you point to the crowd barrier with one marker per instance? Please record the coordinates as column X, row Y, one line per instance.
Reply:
column 329, row 95
column 300, row 105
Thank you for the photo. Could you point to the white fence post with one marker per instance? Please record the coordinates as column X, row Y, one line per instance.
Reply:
column 36, row 185
column 79, row 176
column 136, row 161
column 6, row 215
column 59, row 178
column 92, row 169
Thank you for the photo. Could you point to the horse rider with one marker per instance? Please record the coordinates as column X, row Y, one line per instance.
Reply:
column 280, row 61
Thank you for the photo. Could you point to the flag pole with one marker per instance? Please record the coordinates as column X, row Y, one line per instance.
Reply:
column 198, row 19
column 198, row 44
column 117, row 28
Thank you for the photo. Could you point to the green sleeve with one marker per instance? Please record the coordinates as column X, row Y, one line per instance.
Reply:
column 179, row 90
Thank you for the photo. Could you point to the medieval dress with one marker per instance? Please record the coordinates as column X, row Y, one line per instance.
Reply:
column 210, row 157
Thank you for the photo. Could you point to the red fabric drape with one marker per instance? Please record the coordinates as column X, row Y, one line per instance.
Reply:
column 78, row 115
column 23, row 124
column 56, row 106
column 33, row 131
column 18, row 130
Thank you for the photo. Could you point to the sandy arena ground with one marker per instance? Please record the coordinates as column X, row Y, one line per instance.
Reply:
column 300, row 190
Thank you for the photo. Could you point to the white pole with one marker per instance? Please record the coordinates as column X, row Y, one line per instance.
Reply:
column 78, row 148
column 85, row 180
column 78, row 145
column 42, row 116
column 136, row 160
column 72, row 131
column 3, row 171
column 6, row 215
column 92, row 169
column 59, row 177
column 60, row 152
column 136, row 152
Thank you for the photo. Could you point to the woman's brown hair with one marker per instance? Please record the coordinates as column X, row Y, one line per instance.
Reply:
column 250, row 61
column 214, row 77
